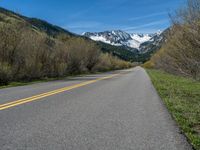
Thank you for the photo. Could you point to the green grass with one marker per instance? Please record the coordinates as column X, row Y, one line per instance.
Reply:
column 182, row 98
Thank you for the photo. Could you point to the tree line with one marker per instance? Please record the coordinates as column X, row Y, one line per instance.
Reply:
column 27, row 54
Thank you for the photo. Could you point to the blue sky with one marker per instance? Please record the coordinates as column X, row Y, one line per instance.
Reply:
column 134, row 16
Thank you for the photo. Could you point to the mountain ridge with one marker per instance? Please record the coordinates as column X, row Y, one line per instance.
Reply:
column 121, row 38
column 39, row 24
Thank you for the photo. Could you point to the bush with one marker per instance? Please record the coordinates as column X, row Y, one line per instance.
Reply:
column 149, row 65
column 108, row 62
column 5, row 74
column 181, row 53
column 26, row 55
column 83, row 56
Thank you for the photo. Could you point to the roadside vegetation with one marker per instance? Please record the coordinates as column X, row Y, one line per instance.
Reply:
column 27, row 53
column 180, row 55
column 182, row 98
column 175, row 70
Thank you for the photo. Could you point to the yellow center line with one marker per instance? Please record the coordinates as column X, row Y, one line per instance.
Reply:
column 50, row 93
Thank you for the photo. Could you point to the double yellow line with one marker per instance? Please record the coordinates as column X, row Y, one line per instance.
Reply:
column 50, row 93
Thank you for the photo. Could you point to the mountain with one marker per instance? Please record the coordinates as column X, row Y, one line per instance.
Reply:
column 142, row 45
column 121, row 38
column 149, row 48
column 154, row 43
column 34, row 23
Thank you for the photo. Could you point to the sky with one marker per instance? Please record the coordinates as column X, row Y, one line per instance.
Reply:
column 78, row 16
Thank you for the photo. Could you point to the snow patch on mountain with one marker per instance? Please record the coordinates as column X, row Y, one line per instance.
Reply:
column 103, row 39
column 141, row 38
column 121, row 38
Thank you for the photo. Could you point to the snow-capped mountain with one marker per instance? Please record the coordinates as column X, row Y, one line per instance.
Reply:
column 121, row 38
column 155, row 43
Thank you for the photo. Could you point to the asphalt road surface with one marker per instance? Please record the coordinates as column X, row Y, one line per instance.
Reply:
column 112, row 111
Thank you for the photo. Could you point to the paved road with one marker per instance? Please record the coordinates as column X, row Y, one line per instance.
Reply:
column 119, row 112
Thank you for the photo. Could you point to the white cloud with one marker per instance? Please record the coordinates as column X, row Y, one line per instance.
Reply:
column 148, row 16
column 83, row 25
column 160, row 22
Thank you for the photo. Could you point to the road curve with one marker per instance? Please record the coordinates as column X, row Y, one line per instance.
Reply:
column 114, row 111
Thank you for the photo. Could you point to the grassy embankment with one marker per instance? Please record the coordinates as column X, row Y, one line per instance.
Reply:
column 182, row 98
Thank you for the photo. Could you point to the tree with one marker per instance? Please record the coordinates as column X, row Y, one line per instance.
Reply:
column 181, row 53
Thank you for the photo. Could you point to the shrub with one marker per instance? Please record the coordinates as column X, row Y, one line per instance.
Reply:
column 5, row 74
column 108, row 62
column 27, row 54
column 83, row 56
column 148, row 65
column 181, row 53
